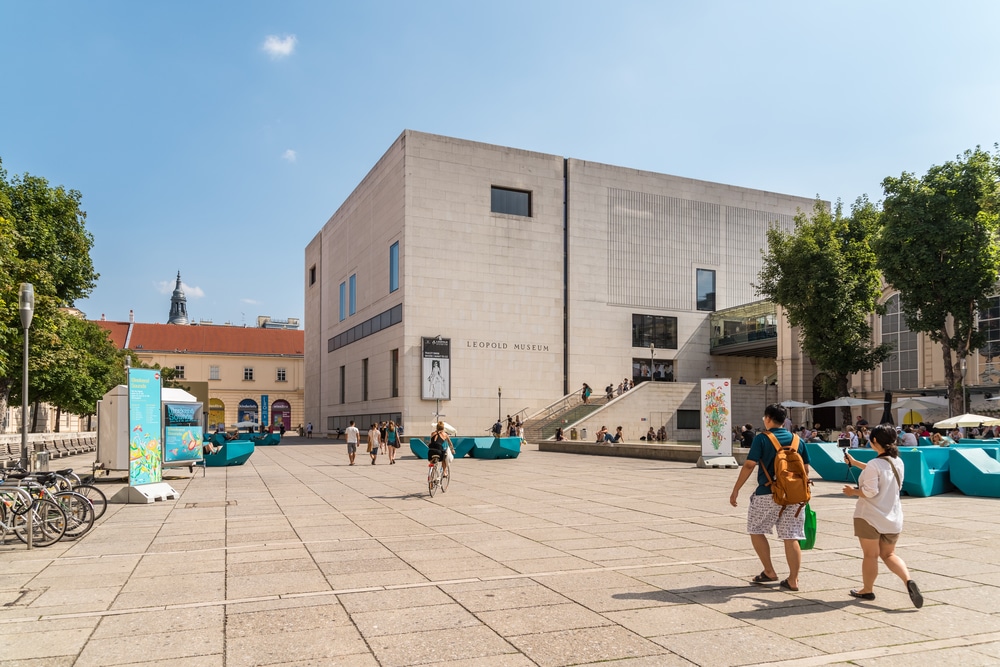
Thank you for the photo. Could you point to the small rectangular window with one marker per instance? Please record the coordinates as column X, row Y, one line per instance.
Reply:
column 364, row 379
column 705, row 280
column 394, row 372
column 312, row 274
column 179, row 372
column 280, row 375
column 353, row 294
column 394, row 267
column 213, row 373
column 511, row 202
column 343, row 385
column 689, row 419
column 343, row 301
column 248, row 373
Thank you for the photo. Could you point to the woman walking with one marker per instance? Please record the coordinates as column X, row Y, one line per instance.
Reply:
column 374, row 440
column 878, row 516
column 392, row 442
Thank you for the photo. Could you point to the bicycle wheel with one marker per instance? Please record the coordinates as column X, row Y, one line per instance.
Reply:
column 432, row 480
column 445, row 479
column 79, row 513
column 95, row 496
column 48, row 523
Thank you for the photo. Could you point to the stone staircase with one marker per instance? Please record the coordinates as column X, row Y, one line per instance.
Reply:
column 568, row 411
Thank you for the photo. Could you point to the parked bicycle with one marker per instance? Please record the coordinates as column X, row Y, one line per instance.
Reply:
column 20, row 512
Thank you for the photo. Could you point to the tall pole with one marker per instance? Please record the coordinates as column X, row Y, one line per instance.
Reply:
column 965, row 366
column 652, row 352
column 26, row 304
column 499, row 411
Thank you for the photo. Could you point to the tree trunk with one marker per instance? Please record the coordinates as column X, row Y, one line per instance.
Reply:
column 4, row 396
column 845, row 412
column 34, row 417
column 58, row 419
column 953, row 379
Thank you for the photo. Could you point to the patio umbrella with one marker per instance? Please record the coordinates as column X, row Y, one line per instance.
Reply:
column 245, row 425
column 887, row 410
column 795, row 404
column 921, row 403
column 967, row 420
column 846, row 402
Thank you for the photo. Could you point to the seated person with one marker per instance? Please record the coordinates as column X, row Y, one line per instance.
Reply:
column 941, row 440
column 661, row 435
column 603, row 434
column 618, row 437
column 650, row 435
column 559, row 435
column 209, row 447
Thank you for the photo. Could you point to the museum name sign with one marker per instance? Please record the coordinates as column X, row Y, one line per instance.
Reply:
column 502, row 345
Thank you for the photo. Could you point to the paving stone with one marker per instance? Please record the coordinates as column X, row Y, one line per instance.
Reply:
column 570, row 647
column 741, row 646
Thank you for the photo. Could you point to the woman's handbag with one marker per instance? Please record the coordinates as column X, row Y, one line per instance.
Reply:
column 810, row 527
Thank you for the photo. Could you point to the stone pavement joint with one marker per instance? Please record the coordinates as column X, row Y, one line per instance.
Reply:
column 547, row 560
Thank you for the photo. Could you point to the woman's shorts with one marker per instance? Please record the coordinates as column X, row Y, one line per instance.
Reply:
column 764, row 515
column 866, row 531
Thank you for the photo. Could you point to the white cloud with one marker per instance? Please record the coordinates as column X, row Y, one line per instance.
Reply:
column 279, row 47
column 167, row 287
column 250, row 302
column 289, row 155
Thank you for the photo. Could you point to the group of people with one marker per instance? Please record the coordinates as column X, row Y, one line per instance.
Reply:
column 383, row 438
column 656, row 436
column 878, row 514
column 604, row 435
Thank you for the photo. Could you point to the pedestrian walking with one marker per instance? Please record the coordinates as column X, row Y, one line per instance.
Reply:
column 878, row 515
column 309, row 430
column 353, row 436
column 374, row 440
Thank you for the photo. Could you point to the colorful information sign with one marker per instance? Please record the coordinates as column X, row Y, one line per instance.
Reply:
column 145, row 454
column 716, row 418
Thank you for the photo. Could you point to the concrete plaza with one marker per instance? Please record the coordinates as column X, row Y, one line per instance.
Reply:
column 551, row 559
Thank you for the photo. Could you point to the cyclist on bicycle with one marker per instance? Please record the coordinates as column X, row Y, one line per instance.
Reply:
column 436, row 447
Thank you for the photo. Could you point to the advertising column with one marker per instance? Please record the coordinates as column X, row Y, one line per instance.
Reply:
column 145, row 454
column 716, row 424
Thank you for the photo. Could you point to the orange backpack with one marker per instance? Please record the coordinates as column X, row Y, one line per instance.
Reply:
column 790, row 485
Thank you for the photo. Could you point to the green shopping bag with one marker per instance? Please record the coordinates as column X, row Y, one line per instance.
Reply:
column 810, row 527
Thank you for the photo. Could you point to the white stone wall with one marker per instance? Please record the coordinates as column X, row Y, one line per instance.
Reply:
column 494, row 284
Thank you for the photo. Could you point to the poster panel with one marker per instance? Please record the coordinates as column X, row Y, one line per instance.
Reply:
column 182, row 443
column 265, row 420
column 716, row 417
column 145, row 455
column 436, row 369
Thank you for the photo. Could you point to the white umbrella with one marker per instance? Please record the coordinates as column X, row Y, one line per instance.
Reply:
column 920, row 403
column 448, row 428
column 245, row 425
column 846, row 402
column 967, row 420
column 795, row 404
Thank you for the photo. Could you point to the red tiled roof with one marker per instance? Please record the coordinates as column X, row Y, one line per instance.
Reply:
column 205, row 339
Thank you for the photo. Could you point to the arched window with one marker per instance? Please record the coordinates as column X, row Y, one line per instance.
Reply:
column 899, row 371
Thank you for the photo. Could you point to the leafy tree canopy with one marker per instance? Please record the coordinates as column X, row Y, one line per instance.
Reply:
column 824, row 275
column 938, row 246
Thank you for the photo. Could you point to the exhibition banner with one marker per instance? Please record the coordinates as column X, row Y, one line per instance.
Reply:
column 145, row 454
column 436, row 354
column 716, row 417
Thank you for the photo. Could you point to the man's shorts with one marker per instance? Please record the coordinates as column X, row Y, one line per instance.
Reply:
column 866, row 531
column 762, row 517
column 352, row 447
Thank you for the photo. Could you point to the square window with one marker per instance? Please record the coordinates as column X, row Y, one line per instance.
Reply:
column 510, row 202
column 280, row 375
column 179, row 372
column 689, row 419
column 213, row 373
column 248, row 373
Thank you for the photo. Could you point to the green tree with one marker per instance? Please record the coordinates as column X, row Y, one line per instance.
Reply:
column 43, row 241
column 824, row 275
column 938, row 246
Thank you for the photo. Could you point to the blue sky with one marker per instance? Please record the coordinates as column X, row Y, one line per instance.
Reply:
column 216, row 138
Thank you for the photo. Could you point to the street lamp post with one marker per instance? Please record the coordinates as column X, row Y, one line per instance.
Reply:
column 652, row 354
column 499, row 411
column 26, row 304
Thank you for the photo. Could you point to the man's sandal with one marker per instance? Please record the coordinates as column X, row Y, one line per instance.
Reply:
column 762, row 578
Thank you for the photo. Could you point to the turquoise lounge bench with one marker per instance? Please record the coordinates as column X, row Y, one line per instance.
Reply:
column 927, row 471
column 827, row 460
column 976, row 472
column 419, row 448
column 268, row 439
column 463, row 446
column 233, row 452
column 499, row 448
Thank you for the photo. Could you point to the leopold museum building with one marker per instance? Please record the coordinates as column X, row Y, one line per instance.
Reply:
column 466, row 280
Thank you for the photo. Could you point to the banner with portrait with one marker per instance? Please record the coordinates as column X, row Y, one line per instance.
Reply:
column 436, row 370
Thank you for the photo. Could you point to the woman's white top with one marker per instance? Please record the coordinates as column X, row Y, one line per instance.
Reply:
column 879, row 505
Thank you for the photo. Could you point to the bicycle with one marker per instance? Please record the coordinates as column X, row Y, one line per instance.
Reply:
column 435, row 476
column 17, row 508
column 67, row 480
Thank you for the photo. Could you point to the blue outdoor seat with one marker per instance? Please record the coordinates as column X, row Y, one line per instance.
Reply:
column 233, row 452
column 498, row 448
column 927, row 471
column 976, row 472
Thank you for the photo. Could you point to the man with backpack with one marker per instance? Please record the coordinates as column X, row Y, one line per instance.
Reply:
column 779, row 500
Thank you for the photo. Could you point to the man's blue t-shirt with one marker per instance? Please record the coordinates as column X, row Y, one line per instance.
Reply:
column 762, row 451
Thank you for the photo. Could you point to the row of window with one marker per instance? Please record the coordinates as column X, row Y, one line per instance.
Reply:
column 280, row 374
column 393, row 378
column 383, row 320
